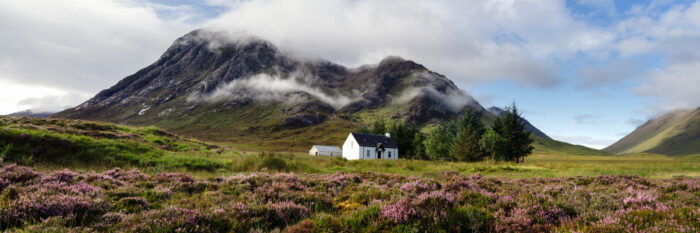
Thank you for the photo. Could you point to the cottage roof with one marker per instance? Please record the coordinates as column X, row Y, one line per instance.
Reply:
column 327, row 148
column 372, row 140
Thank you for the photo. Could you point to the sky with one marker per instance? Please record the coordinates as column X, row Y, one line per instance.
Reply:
column 583, row 71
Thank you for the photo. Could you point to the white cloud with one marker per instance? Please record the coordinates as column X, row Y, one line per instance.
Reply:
column 674, row 34
column 675, row 87
column 470, row 42
column 78, row 46
column 271, row 88
column 12, row 95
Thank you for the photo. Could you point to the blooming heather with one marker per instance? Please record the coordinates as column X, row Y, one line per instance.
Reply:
column 118, row 200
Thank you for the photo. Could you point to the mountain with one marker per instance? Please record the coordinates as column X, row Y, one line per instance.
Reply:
column 246, row 92
column 31, row 113
column 528, row 126
column 674, row 133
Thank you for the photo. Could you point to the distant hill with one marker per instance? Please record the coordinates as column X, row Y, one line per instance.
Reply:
column 249, row 93
column 674, row 133
column 31, row 113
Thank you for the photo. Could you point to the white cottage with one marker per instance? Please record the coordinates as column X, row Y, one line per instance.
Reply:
column 319, row 150
column 369, row 146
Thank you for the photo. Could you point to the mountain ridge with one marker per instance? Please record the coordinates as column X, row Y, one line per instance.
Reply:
column 249, row 93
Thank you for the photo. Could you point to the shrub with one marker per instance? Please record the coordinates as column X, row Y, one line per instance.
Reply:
column 34, row 207
column 275, row 163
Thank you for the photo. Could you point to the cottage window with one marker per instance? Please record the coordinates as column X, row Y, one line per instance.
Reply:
column 367, row 153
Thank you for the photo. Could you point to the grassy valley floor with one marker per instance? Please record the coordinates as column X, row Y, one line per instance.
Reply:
column 79, row 176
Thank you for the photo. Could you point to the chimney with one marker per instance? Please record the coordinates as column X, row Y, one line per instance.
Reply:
column 388, row 135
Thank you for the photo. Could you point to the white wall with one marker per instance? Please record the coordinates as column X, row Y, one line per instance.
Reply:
column 351, row 150
column 373, row 153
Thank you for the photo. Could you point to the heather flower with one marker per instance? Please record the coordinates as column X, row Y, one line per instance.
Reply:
column 433, row 205
column 131, row 175
column 516, row 220
column 17, row 174
column 3, row 183
column 119, row 200
column 174, row 177
column 173, row 219
column 65, row 176
column 37, row 207
column 417, row 187
column 83, row 188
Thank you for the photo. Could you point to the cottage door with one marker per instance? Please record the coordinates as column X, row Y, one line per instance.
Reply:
column 379, row 154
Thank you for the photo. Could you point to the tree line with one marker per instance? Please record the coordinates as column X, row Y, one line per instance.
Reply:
column 466, row 139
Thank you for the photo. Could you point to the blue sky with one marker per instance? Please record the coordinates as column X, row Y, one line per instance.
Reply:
column 583, row 71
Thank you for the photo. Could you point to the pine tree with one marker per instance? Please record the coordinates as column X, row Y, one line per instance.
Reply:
column 379, row 127
column 363, row 129
column 511, row 128
column 402, row 134
column 469, row 131
column 418, row 146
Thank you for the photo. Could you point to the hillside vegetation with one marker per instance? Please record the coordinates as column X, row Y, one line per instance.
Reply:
column 61, row 142
column 54, row 144
column 675, row 133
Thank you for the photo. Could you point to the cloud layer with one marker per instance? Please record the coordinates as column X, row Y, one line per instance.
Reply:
column 470, row 42
column 78, row 46
column 265, row 87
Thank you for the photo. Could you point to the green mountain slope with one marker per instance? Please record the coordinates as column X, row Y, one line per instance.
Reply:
column 252, row 95
column 674, row 133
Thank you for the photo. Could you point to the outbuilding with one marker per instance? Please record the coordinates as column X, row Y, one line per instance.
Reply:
column 320, row 150
column 370, row 146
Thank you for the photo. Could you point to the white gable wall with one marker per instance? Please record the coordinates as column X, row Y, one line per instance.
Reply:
column 351, row 150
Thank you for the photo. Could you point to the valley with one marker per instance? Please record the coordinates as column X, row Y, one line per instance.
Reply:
column 213, row 137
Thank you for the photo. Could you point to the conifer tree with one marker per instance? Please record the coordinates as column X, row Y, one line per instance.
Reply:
column 418, row 146
column 469, row 131
column 510, row 127
column 379, row 127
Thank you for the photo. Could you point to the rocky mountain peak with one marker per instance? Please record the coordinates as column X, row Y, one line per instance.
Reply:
column 205, row 73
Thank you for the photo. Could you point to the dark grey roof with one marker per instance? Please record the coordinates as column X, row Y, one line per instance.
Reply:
column 372, row 140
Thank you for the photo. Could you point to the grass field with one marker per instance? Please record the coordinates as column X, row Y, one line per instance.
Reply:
column 50, row 144
column 231, row 163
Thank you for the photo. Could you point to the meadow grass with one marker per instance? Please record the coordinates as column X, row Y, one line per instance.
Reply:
column 234, row 162
column 51, row 144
